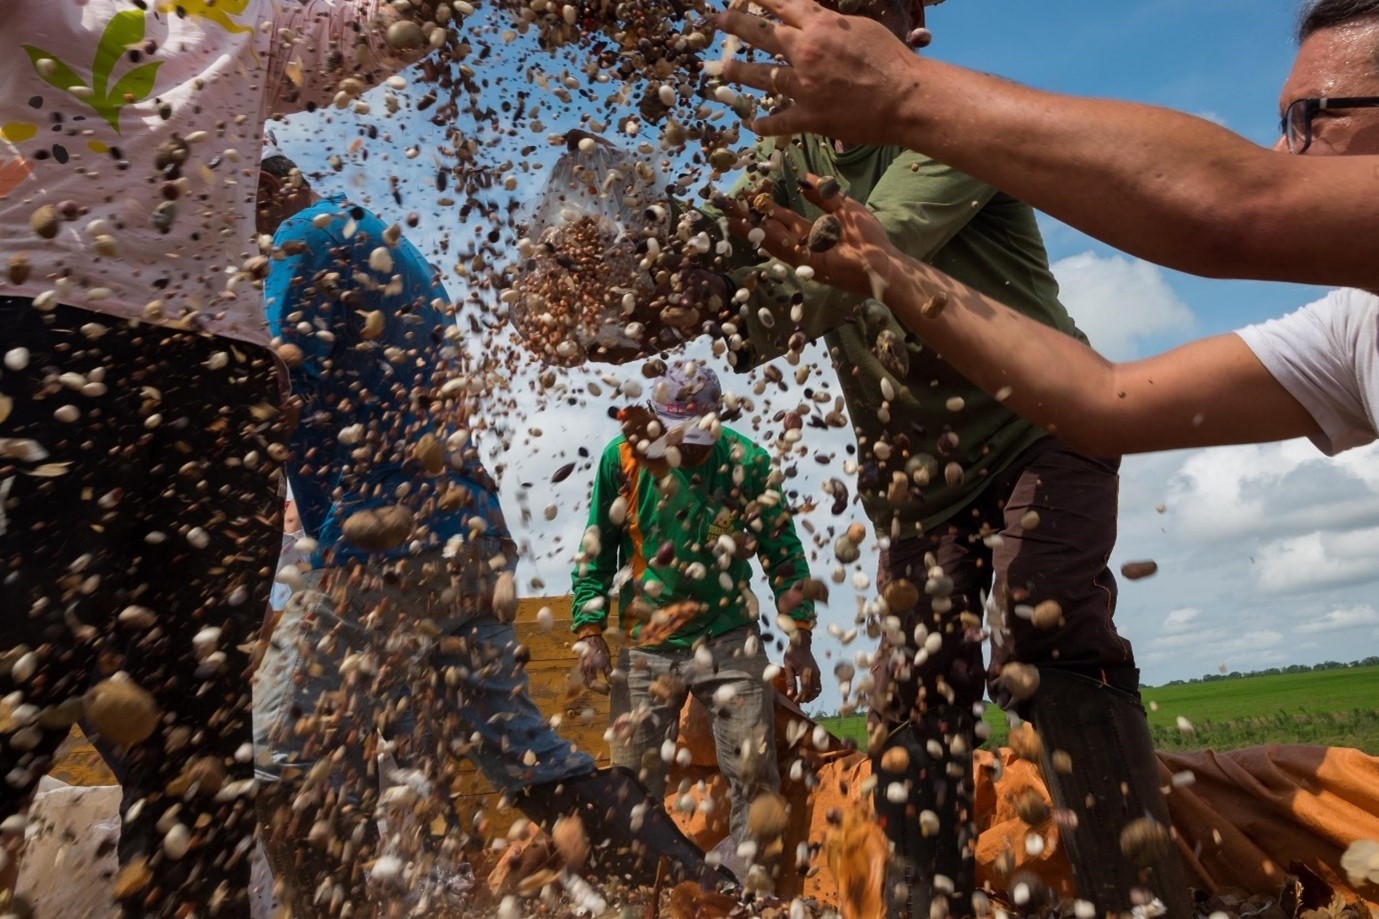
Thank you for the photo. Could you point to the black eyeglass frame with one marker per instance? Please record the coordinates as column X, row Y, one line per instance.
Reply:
column 1310, row 108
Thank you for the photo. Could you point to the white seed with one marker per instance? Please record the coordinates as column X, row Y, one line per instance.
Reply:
column 139, row 617
column 24, row 668
column 381, row 260
column 177, row 841
column 386, row 870
column 16, row 359
column 205, row 642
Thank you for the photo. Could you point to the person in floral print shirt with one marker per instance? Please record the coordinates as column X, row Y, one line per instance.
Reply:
column 140, row 434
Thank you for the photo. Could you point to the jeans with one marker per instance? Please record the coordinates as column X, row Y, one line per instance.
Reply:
column 356, row 675
column 350, row 664
column 743, row 718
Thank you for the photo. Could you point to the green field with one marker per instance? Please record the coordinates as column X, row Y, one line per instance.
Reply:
column 1331, row 707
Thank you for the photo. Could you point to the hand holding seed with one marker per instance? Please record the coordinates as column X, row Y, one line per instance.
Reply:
column 595, row 660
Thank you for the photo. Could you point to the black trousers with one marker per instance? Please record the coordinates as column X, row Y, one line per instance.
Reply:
column 1062, row 558
column 137, row 469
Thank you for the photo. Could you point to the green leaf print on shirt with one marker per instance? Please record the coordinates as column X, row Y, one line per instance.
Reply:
column 125, row 30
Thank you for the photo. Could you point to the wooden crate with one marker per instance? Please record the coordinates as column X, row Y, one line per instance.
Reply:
column 555, row 688
column 558, row 692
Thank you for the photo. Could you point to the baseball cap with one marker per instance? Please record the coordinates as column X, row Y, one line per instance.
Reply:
column 681, row 398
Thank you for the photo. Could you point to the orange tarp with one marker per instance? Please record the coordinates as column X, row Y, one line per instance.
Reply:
column 1241, row 820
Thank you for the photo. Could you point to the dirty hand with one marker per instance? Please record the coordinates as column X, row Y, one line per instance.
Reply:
column 595, row 660
column 861, row 261
column 801, row 671
column 830, row 62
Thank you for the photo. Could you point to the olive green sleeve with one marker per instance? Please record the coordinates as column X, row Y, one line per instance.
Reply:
column 921, row 203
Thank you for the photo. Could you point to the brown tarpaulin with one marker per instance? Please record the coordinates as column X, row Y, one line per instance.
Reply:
column 1245, row 817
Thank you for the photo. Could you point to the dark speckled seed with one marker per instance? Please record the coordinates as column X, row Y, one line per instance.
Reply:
column 825, row 233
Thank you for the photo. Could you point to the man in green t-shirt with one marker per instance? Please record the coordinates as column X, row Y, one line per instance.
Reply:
column 681, row 508
column 967, row 500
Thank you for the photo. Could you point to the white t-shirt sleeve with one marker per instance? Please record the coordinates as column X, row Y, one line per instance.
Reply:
column 1325, row 356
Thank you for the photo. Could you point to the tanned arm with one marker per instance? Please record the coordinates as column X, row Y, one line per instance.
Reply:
column 1206, row 393
column 1187, row 193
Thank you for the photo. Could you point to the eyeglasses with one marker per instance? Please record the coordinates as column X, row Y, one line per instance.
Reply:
column 1296, row 126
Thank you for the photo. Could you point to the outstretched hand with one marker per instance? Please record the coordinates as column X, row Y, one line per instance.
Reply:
column 848, row 77
column 862, row 260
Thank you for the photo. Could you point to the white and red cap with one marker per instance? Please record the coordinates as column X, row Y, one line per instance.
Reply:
column 687, row 393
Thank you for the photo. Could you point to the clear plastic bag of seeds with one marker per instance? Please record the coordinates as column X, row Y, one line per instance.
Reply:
column 581, row 278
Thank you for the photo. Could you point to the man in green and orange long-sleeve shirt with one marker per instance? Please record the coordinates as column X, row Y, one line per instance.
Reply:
column 686, row 530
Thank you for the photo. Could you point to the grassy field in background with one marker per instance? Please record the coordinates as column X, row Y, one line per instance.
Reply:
column 1330, row 707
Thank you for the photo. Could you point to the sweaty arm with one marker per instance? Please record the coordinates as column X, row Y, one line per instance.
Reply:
column 1214, row 391
column 1165, row 186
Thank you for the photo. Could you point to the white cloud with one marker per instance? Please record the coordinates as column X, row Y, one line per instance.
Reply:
column 1265, row 557
column 1231, row 493
column 1320, row 559
column 1180, row 619
column 1186, row 634
column 1117, row 301
column 1340, row 620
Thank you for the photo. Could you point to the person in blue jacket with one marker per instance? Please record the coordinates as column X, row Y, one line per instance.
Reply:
column 398, row 642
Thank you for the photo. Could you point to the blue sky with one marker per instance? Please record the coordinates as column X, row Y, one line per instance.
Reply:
column 1222, row 59
column 1264, row 552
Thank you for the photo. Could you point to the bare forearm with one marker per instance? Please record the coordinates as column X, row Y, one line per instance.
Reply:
column 1041, row 374
column 1189, row 397
column 1165, row 186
